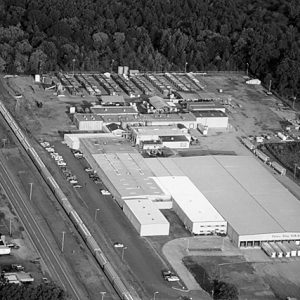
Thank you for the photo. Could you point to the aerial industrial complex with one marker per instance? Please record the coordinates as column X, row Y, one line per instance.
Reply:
column 233, row 195
column 141, row 136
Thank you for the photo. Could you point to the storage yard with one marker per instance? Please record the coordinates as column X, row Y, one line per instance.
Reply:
column 237, row 195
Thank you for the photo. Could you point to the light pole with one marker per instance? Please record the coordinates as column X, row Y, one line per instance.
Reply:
column 295, row 170
column 247, row 69
column 185, row 65
column 96, row 213
column 4, row 142
column 30, row 191
column 102, row 295
column 111, row 65
column 294, row 99
column 188, row 245
column 63, row 241
column 73, row 60
column 9, row 226
column 155, row 294
column 123, row 250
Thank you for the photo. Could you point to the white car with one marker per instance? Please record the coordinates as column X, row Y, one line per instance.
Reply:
column 49, row 149
column 118, row 245
column 61, row 163
column 73, row 181
column 105, row 192
column 172, row 278
column 77, row 186
column 45, row 144
column 58, row 158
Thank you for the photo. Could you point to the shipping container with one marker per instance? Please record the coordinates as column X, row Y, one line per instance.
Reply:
column 279, row 252
column 292, row 248
column 281, row 136
column 296, row 247
column 248, row 144
column 262, row 156
column 268, row 249
column 281, row 170
column 285, row 250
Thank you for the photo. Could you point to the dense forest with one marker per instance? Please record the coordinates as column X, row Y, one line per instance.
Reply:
column 262, row 36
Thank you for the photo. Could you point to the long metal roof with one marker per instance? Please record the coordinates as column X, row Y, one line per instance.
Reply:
column 129, row 174
column 240, row 188
column 146, row 212
column 191, row 201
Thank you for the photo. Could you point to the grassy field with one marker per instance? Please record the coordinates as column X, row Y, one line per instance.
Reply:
column 231, row 269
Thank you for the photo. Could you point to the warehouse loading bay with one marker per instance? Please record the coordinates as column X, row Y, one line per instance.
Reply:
column 270, row 249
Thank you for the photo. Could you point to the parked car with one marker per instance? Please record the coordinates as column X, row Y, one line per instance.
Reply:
column 46, row 280
column 88, row 170
column 13, row 245
column 118, row 245
column 73, row 181
column 61, row 163
column 49, row 149
column 97, row 180
column 105, row 192
column 77, row 186
column 169, row 276
column 92, row 175
column 57, row 158
column 17, row 267
column 45, row 144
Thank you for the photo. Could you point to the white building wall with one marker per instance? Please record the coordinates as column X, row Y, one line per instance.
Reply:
column 143, row 137
column 176, row 145
column 90, row 125
column 146, row 217
column 219, row 122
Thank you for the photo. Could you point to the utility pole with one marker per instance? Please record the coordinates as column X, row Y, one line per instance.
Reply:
column 123, row 250
column 10, row 227
column 73, row 60
column 185, row 65
column 270, row 85
column 247, row 69
column 102, row 295
column 4, row 142
column 96, row 212
column 63, row 241
column 294, row 99
column 295, row 170
column 30, row 192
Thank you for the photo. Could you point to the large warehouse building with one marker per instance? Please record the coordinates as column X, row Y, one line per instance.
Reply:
column 255, row 205
column 195, row 211
column 209, row 193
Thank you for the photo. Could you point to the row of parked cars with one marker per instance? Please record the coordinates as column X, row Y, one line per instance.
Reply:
column 93, row 175
column 61, row 163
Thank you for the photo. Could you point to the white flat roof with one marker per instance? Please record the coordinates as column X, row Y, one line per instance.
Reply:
column 241, row 189
column 191, row 201
column 106, row 143
column 146, row 212
column 129, row 174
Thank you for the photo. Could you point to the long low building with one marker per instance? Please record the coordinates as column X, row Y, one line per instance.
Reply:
column 255, row 205
column 146, row 217
column 195, row 211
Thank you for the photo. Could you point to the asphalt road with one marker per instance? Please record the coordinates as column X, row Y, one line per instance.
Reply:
column 141, row 264
column 38, row 238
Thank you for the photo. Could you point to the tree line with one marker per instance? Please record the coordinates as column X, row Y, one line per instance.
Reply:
column 154, row 35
